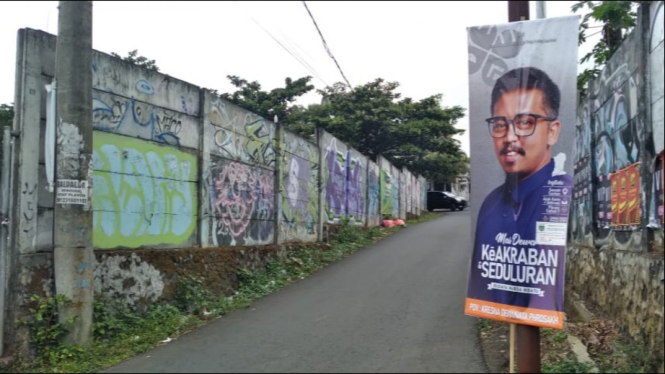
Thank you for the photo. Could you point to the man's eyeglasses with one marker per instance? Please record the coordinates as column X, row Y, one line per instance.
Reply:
column 524, row 124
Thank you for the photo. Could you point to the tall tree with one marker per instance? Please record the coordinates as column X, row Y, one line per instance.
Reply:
column 6, row 115
column 375, row 120
column 618, row 18
column 268, row 104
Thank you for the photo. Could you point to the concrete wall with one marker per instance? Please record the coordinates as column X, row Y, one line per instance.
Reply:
column 299, row 186
column 239, row 177
column 179, row 177
column 145, row 158
column 615, row 252
column 373, row 194
column 334, row 174
column 387, row 184
column 396, row 191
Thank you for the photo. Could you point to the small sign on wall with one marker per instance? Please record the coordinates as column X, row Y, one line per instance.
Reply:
column 71, row 192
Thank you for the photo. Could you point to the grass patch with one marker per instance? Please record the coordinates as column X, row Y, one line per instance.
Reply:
column 566, row 365
column 120, row 333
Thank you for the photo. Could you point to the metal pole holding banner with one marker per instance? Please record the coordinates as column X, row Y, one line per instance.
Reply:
column 528, row 337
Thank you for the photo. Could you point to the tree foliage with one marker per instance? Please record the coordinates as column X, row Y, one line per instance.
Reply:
column 134, row 58
column 6, row 115
column 372, row 118
column 618, row 18
column 278, row 102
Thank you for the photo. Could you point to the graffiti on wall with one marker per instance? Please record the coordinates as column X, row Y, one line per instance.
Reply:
column 386, row 193
column 117, row 114
column 144, row 194
column 581, row 215
column 242, row 135
column 373, row 195
column 397, row 185
column 423, row 183
column 355, row 188
column 242, row 200
column 659, row 192
column 335, row 181
column 300, row 201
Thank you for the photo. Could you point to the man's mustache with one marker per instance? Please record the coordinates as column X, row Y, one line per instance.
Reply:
column 508, row 148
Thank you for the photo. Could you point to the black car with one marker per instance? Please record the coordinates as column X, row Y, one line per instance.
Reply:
column 444, row 200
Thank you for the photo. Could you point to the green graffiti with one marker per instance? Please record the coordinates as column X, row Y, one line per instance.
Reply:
column 143, row 193
column 386, row 193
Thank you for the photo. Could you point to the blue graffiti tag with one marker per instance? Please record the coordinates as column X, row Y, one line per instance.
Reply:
column 144, row 86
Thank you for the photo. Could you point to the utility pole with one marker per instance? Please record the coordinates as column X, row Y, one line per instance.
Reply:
column 72, row 231
column 528, row 337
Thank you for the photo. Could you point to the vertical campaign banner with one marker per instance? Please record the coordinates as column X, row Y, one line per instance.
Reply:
column 614, row 178
column 522, row 113
column 623, row 197
column 634, row 202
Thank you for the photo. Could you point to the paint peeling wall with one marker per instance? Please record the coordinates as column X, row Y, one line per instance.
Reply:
column 239, row 177
column 299, row 189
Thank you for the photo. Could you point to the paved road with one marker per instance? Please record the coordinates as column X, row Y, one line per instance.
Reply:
column 396, row 306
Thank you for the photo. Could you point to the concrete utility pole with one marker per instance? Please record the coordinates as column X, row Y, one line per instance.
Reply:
column 72, row 231
column 528, row 337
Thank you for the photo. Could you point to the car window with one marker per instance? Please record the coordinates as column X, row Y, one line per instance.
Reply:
column 449, row 194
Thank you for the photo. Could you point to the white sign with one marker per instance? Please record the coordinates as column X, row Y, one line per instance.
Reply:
column 71, row 192
column 551, row 233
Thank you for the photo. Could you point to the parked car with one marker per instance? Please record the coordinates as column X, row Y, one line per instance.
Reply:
column 444, row 200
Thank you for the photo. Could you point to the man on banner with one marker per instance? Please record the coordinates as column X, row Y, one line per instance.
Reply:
column 521, row 227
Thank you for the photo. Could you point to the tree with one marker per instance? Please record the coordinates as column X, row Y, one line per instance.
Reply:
column 278, row 102
column 618, row 18
column 140, row 60
column 6, row 115
column 373, row 120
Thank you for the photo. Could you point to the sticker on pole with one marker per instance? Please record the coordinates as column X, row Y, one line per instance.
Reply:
column 71, row 192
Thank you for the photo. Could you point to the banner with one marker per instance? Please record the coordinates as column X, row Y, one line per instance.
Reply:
column 626, row 201
column 522, row 85
column 614, row 179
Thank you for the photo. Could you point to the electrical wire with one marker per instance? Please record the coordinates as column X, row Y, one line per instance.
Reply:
column 325, row 45
column 293, row 54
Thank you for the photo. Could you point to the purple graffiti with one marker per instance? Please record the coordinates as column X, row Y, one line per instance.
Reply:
column 354, row 194
column 335, row 188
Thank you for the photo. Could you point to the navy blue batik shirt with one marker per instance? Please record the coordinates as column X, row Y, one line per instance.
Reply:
column 510, row 215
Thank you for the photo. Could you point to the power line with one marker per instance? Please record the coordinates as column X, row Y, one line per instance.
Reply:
column 298, row 58
column 325, row 45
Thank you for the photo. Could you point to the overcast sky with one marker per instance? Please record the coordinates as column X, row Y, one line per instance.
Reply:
column 421, row 45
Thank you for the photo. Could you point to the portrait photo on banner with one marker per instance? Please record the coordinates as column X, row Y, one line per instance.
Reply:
column 522, row 112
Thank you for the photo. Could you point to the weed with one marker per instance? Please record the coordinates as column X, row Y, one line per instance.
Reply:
column 47, row 333
column 566, row 366
column 191, row 296
column 484, row 324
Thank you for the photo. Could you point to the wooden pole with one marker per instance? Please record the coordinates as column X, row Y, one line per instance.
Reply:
column 512, row 348
column 528, row 337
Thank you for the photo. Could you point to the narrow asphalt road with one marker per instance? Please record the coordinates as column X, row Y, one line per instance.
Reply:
column 396, row 306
